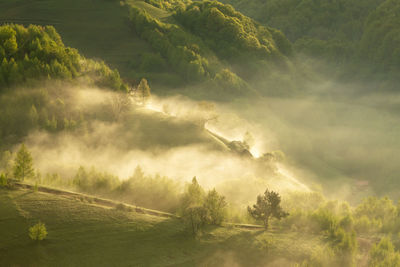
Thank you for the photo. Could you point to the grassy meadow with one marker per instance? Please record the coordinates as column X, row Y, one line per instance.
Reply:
column 84, row 234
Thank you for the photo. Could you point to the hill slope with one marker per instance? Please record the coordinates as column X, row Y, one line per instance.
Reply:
column 83, row 25
column 86, row 235
column 356, row 32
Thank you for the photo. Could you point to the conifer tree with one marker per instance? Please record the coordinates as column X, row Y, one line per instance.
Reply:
column 23, row 166
column 267, row 206
column 144, row 90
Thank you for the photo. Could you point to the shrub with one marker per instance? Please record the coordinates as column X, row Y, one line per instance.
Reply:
column 3, row 180
column 38, row 232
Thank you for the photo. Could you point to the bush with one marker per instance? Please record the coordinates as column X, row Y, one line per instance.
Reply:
column 3, row 180
column 38, row 232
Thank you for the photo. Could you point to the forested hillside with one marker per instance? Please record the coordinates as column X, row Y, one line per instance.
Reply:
column 36, row 52
column 211, row 42
column 35, row 68
column 353, row 32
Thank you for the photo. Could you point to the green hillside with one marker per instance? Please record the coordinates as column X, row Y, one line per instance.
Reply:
column 98, row 29
column 88, row 235
column 205, row 65
column 356, row 32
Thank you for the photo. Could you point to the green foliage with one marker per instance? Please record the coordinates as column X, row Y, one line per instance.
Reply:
column 211, row 43
column 267, row 206
column 215, row 206
column 143, row 90
column 172, row 43
column 93, row 181
column 228, row 82
column 380, row 42
column 33, row 52
column 199, row 209
column 23, row 166
column 194, row 195
column 343, row 240
column 384, row 254
column 38, row 232
column 342, row 31
column 377, row 214
column 168, row 4
column 155, row 192
column 6, row 163
column 3, row 180
column 229, row 33
column 37, row 52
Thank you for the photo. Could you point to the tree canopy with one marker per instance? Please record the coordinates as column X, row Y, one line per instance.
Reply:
column 267, row 206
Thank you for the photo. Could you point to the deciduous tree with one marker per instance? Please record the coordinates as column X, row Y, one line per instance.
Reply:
column 23, row 166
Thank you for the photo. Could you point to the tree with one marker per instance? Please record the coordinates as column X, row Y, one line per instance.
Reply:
column 195, row 217
column 384, row 254
column 120, row 104
column 6, row 163
column 144, row 90
column 38, row 232
column 267, row 206
column 192, row 211
column 215, row 206
column 193, row 196
column 23, row 166
column 3, row 180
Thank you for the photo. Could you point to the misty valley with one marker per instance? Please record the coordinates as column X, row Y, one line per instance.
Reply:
column 199, row 133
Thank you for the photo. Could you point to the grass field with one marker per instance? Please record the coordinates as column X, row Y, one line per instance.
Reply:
column 83, row 234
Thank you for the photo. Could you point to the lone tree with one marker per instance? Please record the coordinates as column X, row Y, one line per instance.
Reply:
column 23, row 166
column 144, row 90
column 267, row 206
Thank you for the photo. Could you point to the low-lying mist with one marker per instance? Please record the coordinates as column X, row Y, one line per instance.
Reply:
column 173, row 137
column 343, row 136
column 334, row 135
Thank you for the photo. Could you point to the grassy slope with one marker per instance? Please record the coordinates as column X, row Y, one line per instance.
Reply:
column 88, row 235
column 97, row 28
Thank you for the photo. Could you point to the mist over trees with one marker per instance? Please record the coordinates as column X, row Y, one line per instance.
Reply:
column 211, row 47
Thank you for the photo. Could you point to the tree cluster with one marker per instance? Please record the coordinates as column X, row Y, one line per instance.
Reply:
column 199, row 208
column 35, row 52
column 341, row 31
column 230, row 33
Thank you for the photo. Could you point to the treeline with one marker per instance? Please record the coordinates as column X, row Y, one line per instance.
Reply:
column 343, row 31
column 230, row 34
column 24, row 110
column 32, row 53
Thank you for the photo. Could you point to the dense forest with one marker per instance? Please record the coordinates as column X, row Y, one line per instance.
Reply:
column 204, row 46
column 363, row 32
